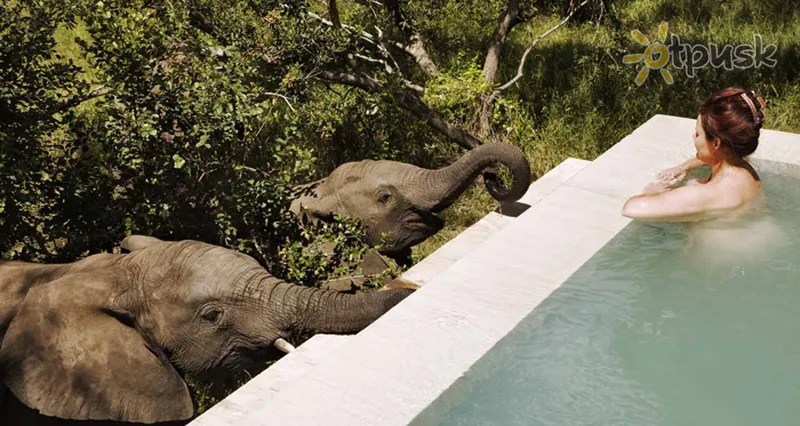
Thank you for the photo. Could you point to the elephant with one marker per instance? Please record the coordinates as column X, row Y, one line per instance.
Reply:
column 398, row 203
column 112, row 336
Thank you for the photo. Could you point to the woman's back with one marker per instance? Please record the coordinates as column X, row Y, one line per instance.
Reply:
column 726, row 132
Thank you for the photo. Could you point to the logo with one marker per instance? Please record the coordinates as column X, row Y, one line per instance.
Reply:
column 650, row 63
column 690, row 58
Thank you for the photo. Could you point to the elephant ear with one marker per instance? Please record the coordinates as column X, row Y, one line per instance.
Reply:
column 138, row 242
column 68, row 354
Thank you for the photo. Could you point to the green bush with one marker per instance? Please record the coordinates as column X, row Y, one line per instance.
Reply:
column 184, row 135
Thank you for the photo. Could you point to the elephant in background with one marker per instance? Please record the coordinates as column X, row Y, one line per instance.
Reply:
column 398, row 203
column 110, row 337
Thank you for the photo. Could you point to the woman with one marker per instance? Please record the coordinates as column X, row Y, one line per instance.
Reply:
column 726, row 132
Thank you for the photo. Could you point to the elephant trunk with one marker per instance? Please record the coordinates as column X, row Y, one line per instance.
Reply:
column 327, row 311
column 340, row 313
column 445, row 185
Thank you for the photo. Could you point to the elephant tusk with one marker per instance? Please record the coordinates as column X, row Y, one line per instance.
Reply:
column 284, row 346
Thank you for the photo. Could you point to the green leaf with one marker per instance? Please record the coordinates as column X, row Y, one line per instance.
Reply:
column 178, row 161
column 203, row 142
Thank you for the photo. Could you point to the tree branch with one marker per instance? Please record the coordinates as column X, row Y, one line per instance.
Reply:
column 352, row 61
column 369, row 38
column 528, row 50
column 378, row 42
column 77, row 100
column 362, row 34
column 333, row 11
column 369, row 3
column 384, row 51
column 285, row 99
column 416, row 49
column 415, row 87
column 408, row 101
column 414, row 46
column 361, row 81
column 505, row 23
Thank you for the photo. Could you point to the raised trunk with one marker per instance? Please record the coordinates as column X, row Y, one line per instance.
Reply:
column 437, row 189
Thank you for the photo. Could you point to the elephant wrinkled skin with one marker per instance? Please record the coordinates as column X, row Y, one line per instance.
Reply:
column 111, row 336
column 398, row 203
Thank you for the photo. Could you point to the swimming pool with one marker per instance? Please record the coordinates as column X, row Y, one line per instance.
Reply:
column 651, row 331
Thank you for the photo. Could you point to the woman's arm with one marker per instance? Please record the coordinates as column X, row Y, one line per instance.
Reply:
column 680, row 204
column 691, row 163
column 679, row 171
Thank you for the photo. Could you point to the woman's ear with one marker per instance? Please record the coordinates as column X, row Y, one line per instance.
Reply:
column 68, row 354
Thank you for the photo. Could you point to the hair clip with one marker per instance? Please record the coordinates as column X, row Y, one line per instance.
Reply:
column 756, row 118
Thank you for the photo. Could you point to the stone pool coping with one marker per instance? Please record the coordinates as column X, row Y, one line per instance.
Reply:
column 392, row 370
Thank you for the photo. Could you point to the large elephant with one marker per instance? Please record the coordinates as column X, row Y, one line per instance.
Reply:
column 111, row 336
column 398, row 202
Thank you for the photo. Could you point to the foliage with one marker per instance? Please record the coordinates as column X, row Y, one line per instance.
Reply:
column 196, row 119
column 185, row 144
column 457, row 93
column 323, row 249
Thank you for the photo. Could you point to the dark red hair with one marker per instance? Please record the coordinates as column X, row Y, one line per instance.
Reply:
column 734, row 116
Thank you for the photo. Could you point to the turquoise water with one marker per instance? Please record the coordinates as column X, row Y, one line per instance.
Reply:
column 655, row 331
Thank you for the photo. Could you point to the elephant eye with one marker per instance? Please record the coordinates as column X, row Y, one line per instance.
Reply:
column 211, row 314
column 383, row 197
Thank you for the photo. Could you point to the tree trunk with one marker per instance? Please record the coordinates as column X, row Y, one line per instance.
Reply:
column 505, row 23
column 333, row 10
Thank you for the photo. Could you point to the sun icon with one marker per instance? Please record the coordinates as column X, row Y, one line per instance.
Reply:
column 657, row 49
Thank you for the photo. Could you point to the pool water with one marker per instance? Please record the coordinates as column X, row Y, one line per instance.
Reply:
column 652, row 331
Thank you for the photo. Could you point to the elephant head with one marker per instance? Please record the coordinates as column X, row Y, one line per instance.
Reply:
column 398, row 203
column 110, row 337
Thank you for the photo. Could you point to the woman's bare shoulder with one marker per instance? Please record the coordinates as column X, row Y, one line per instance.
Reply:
column 741, row 186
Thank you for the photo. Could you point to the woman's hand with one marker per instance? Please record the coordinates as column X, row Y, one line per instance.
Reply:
column 672, row 175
